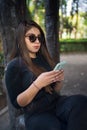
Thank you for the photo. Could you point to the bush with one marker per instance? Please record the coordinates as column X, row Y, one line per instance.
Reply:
column 71, row 45
column 1, row 58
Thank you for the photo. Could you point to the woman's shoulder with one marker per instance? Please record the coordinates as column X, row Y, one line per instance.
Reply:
column 14, row 63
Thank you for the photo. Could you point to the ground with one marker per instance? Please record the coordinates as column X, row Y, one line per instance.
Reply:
column 3, row 101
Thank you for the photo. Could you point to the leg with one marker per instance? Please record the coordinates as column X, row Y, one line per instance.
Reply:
column 43, row 121
column 73, row 111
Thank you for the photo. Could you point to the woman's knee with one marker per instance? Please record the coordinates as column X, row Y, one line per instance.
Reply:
column 75, row 100
column 70, row 104
column 43, row 122
column 78, row 100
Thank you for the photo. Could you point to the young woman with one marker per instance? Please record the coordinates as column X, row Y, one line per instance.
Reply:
column 34, row 86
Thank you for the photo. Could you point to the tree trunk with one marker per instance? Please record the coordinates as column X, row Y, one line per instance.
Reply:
column 8, row 22
column 51, row 7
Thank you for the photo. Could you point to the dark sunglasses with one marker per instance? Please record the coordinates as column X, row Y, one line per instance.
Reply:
column 33, row 38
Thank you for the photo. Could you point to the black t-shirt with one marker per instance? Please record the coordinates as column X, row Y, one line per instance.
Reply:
column 18, row 78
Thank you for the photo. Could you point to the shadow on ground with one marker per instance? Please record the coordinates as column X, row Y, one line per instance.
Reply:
column 75, row 74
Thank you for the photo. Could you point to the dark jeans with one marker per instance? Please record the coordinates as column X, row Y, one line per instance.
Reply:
column 70, row 113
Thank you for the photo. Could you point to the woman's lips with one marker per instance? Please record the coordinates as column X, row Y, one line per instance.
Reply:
column 36, row 47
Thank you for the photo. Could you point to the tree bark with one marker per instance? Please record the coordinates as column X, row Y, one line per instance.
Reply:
column 11, row 13
column 8, row 22
column 51, row 17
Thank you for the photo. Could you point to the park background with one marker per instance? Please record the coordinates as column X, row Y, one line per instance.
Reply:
column 63, row 21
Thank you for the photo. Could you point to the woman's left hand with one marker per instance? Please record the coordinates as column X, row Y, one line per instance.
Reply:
column 59, row 84
column 60, row 76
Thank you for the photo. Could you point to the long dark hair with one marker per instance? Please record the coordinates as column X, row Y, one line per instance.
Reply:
column 20, row 49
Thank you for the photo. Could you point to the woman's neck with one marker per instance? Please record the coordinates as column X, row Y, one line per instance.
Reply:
column 32, row 55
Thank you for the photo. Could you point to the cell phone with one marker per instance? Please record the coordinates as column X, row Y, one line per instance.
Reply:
column 60, row 65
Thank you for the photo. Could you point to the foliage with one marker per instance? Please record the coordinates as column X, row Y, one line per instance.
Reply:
column 74, row 23
column 1, row 58
column 73, row 40
column 72, row 45
column 1, row 71
column 73, row 19
column 84, row 15
column 37, row 11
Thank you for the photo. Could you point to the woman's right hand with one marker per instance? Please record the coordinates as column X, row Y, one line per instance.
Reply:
column 47, row 78
column 43, row 80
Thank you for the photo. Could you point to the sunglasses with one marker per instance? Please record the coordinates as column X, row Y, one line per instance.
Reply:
column 33, row 38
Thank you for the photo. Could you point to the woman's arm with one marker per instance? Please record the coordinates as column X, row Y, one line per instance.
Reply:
column 17, row 85
column 27, row 96
column 42, row 80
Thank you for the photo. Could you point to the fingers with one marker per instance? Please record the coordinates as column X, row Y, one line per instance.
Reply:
column 59, row 76
column 47, row 78
column 54, row 73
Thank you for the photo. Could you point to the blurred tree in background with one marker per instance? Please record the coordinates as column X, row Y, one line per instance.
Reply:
column 72, row 23
column 72, row 17
column 64, row 23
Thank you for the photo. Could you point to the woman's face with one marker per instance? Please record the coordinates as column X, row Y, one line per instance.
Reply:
column 33, row 41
